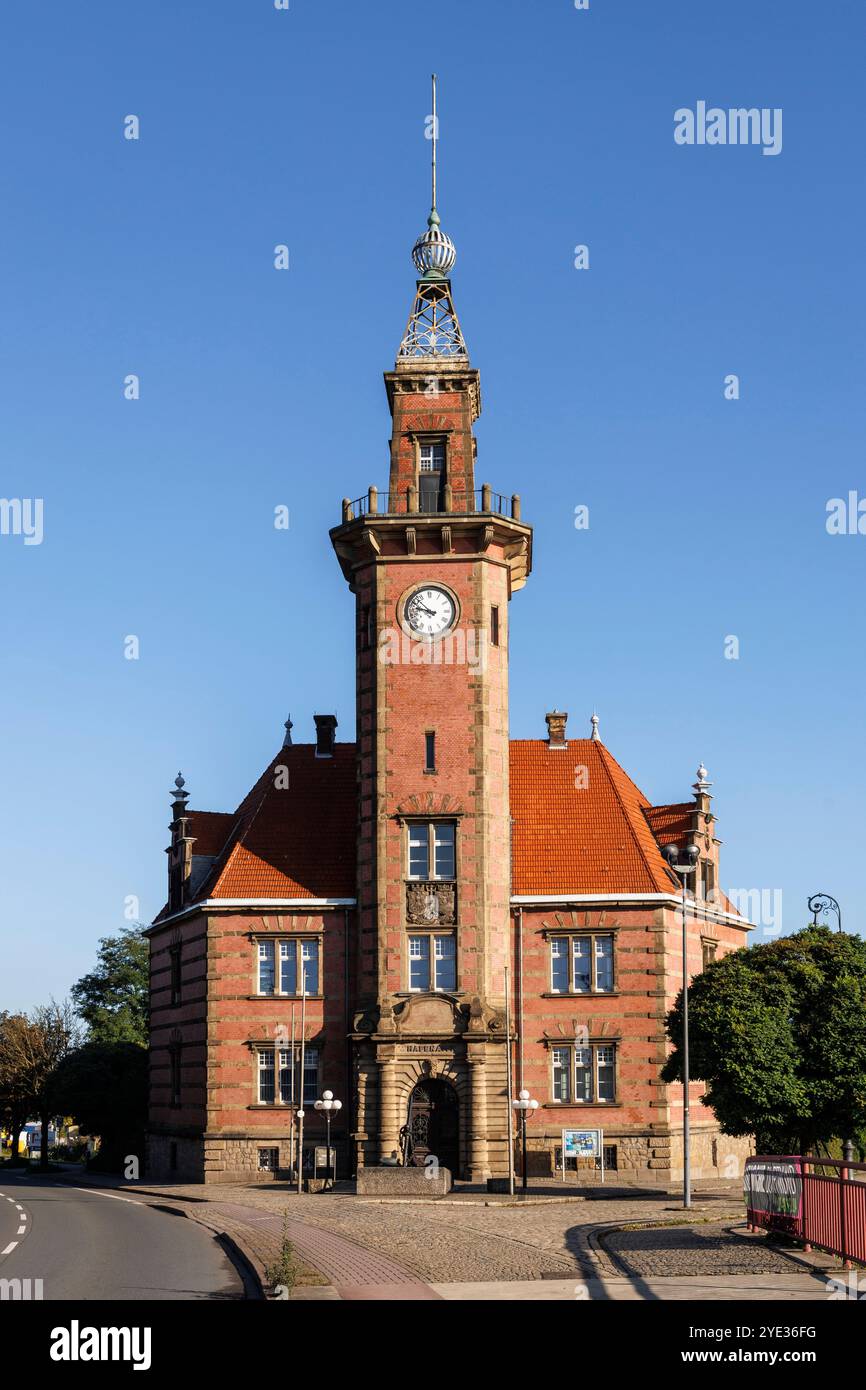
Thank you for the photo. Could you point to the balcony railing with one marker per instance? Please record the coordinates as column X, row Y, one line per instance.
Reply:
column 409, row 501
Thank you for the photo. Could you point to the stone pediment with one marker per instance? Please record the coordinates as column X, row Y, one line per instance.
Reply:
column 427, row 804
column 429, row 1013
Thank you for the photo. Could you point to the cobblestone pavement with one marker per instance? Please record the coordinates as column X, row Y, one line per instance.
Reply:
column 696, row 1251
column 464, row 1242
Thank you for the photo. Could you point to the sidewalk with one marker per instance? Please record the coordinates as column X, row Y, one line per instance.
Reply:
column 629, row 1247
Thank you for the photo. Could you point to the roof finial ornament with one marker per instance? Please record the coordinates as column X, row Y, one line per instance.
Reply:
column 178, row 795
column 595, row 734
column 702, row 784
column 288, row 726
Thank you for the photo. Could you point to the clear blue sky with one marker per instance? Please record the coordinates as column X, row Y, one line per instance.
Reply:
column 258, row 387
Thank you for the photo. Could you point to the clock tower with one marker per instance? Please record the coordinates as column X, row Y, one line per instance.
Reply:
column 433, row 562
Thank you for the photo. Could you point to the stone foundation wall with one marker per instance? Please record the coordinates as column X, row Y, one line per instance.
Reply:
column 656, row 1158
column 174, row 1158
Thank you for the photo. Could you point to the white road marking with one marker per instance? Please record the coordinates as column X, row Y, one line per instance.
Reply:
column 9, row 1248
column 20, row 1208
column 97, row 1193
column 21, row 1231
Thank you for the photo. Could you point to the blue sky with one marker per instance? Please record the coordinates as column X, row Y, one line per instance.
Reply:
column 258, row 388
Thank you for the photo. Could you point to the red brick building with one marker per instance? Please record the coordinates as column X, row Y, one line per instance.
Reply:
column 350, row 925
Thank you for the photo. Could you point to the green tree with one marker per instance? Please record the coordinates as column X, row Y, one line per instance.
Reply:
column 113, row 999
column 17, row 1100
column 32, row 1046
column 104, row 1085
column 778, row 1033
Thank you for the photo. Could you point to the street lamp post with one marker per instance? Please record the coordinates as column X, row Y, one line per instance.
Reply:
column 822, row 903
column 329, row 1106
column 684, row 867
column 524, row 1106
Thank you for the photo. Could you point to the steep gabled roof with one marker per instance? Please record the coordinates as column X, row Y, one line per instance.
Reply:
column 295, row 840
column 579, row 823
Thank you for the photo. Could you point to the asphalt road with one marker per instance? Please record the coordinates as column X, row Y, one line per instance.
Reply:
column 86, row 1244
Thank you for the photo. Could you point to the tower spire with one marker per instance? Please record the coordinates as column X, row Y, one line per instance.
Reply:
column 433, row 329
column 435, row 137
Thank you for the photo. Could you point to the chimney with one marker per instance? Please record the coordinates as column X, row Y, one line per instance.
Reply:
column 556, row 729
column 326, row 725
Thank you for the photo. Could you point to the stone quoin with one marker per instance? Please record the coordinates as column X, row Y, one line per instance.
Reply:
column 349, row 926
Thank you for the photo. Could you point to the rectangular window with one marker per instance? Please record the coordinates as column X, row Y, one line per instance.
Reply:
column 583, row 1073
column 433, row 846
column 174, row 958
column 561, row 1070
column 432, row 455
column 708, row 953
column 559, row 965
column 443, row 842
column 429, row 751
column 604, row 1058
column 445, row 957
column 433, row 962
column 266, row 967
column 494, row 626
column 174, row 1075
column 269, row 1160
column 590, row 1069
column 581, row 964
column 419, row 962
column 290, row 1077
column 419, row 851
column 266, row 1076
column 604, row 963
column 291, row 954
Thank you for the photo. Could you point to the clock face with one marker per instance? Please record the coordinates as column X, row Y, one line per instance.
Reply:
column 430, row 611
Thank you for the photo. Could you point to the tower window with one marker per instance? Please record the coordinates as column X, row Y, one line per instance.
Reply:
column 432, row 962
column 432, row 456
column 430, row 751
column 432, row 849
column 494, row 626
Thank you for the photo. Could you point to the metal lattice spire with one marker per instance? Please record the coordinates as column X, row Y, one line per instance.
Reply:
column 433, row 329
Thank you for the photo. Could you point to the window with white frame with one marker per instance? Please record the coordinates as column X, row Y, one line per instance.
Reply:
column 432, row 849
column 583, row 1074
column 581, row 964
column 431, row 455
column 275, row 1069
column 432, row 961
column 298, row 961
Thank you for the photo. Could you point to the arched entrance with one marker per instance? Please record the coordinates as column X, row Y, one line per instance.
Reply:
column 433, row 1124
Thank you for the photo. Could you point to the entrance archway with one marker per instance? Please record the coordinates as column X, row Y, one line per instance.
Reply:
column 433, row 1124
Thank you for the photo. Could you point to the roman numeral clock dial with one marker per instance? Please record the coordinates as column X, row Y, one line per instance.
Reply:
column 430, row 611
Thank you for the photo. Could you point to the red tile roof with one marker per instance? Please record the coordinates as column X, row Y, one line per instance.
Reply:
column 294, row 841
column 210, row 830
column 578, row 823
column 671, row 825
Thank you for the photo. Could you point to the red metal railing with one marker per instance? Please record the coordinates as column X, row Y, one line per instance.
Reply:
column 819, row 1201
